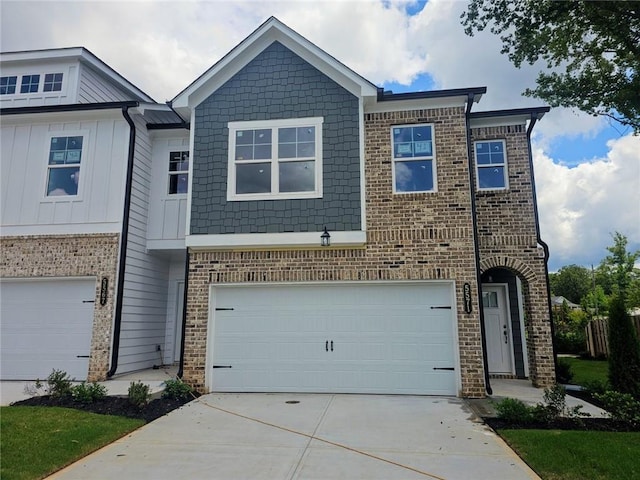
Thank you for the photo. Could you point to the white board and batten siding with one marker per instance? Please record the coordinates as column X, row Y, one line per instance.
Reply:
column 144, row 307
column 167, row 213
column 352, row 337
column 98, row 206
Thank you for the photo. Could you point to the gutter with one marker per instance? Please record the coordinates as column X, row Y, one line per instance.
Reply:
column 476, row 245
column 545, row 247
column 184, row 314
column 123, row 243
column 76, row 107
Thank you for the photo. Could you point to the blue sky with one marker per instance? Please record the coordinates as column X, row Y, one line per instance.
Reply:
column 587, row 171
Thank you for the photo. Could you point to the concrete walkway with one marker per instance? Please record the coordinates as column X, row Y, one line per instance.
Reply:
column 300, row 436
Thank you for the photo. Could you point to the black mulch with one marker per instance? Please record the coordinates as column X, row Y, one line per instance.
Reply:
column 584, row 424
column 110, row 406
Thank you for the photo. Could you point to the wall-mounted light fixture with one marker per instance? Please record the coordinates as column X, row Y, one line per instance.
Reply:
column 325, row 238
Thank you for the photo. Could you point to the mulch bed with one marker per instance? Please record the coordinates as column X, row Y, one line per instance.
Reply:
column 110, row 406
column 584, row 424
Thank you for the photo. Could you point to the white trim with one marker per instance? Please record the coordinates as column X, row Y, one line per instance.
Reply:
column 274, row 126
column 499, row 121
column 432, row 157
column 274, row 240
column 415, row 104
column 363, row 178
column 192, row 136
column 525, row 351
column 209, row 356
column 84, row 228
column 165, row 245
column 48, row 279
column 505, row 166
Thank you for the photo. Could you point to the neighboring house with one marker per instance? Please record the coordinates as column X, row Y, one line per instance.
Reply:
column 435, row 276
column 558, row 302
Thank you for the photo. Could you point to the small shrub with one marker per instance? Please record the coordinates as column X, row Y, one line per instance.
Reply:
column 621, row 406
column 176, row 389
column 514, row 410
column 139, row 394
column 594, row 387
column 563, row 371
column 89, row 392
column 59, row 384
column 555, row 405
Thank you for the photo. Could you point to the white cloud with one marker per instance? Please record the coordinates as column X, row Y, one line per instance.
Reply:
column 581, row 207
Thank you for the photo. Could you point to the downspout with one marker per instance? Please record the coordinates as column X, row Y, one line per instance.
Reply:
column 476, row 245
column 184, row 313
column 123, row 244
column 543, row 244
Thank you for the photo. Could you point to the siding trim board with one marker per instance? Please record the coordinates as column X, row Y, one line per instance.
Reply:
column 275, row 240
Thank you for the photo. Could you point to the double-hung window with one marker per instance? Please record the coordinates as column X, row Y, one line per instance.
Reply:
column 63, row 172
column 275, row 159
column 8, row 85
column 491, row 165
column 178, row 172
column 414, row 161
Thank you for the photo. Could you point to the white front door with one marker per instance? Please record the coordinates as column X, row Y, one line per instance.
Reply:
column 497, row 328
column 348, row 338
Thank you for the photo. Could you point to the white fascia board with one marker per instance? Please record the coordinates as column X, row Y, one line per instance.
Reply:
column 499, row 121
column 73, row 53
column 142, row 107
column 62, row 229
column 414, row 104
column 250, row 47
column 274, row 240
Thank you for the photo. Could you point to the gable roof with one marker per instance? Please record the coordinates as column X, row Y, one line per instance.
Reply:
column 85, row 57
column 270, row 31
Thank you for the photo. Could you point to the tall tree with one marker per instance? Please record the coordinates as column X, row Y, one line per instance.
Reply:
column 619, row 265
column 572, row 282
column 591, row 47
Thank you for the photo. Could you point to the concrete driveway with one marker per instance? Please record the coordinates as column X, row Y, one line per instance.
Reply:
column 298, row 436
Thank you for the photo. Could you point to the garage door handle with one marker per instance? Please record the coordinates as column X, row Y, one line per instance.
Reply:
column 326, row 346
column 441, row 308
column 444, row 368
column 332, row 345
column 88, row 301
column 82, row 356
column 220, row 309
column 222, row 366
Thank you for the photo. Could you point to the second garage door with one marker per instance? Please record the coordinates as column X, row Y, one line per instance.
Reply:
column 343, row 338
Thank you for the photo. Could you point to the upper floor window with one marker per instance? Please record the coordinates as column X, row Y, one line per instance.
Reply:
column 491, row 165
column 8, row 85
column 275, row 159
column 65, row 154
column 178, row 172
column 30, row 83
column 414, row 161
column 52, row 82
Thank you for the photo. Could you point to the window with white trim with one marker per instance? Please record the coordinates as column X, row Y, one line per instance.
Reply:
column 414, row 161
column 275, row 159
column 52, row 82
column 491, row 165
column 178, row 172
column 8, row 85
column 63, row 171
column 30, row 83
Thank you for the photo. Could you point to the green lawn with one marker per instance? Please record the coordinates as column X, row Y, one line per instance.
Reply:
column 585, row 371
column 37, row 441
column 576, row 455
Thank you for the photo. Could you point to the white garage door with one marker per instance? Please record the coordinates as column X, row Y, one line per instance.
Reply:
column 350, row 338
column 46, row 325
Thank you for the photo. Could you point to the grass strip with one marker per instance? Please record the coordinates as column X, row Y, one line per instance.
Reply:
column 585, row 371
column 37, row 441
column 578, row 455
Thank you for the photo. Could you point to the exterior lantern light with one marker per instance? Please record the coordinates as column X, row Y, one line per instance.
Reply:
column 325, row 238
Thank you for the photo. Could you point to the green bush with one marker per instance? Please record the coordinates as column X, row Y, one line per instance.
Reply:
column 59, row 384
column 89, row 392
column 594, row 387
column 564, row 374
column 621, row 406
column 514, row 411
column 624, row 350
column 139, row 394
column 176, row 389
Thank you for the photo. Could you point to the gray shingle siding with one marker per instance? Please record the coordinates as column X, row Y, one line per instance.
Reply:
column 277, row 84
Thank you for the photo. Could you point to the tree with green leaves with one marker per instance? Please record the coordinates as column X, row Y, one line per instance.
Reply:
column 591, row 50
column 572, row 282
column 619, row 265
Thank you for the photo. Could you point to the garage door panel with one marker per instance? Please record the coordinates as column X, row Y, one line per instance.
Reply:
column 386, row 339
column 46, row 325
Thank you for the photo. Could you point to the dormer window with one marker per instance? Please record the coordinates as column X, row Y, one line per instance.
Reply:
column 8, row 85
column 30, row 83
column 52, row 82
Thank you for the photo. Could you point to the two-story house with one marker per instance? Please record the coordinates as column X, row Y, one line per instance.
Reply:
column 327, row 236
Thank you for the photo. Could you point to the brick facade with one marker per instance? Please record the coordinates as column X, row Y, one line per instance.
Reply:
column 507, row 237
column 70, row 256
column 426, row 236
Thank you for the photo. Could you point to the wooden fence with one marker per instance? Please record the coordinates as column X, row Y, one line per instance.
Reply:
column 598, row 337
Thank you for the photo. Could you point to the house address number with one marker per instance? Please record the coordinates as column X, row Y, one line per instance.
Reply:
column 104, row 289
column 466, row 290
